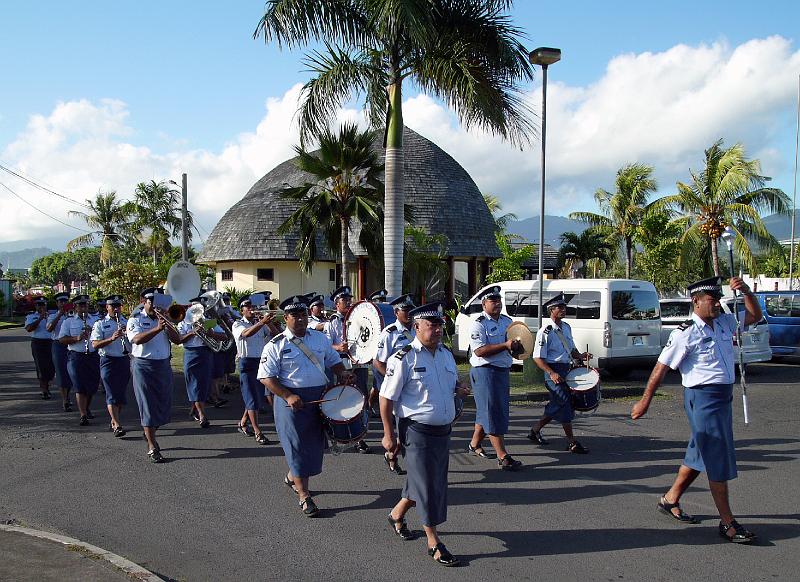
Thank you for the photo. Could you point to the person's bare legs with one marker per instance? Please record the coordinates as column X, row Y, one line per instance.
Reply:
column 499, row 444
column 398, row 512
column 150, row 436
column 477, row 437
column 684, row 478
column 114, row 411
column 252, row 415
column 82, row 402
column 719, row 491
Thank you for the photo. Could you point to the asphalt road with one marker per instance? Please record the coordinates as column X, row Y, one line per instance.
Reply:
column 219, row 511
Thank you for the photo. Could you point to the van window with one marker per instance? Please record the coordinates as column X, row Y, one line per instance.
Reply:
column 523, row 304
column 783, row 305
column 633, row 304
column 584, row 305
column 676, row 309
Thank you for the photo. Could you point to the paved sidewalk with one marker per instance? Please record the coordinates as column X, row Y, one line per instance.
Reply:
column 26, row 557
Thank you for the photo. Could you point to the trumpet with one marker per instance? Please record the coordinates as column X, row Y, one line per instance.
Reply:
column 124, row 341
column 86, row 328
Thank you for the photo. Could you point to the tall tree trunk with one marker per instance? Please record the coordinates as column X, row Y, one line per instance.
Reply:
column 628, row 257
column 715, row 256
column 394, row 195
column 345, row 245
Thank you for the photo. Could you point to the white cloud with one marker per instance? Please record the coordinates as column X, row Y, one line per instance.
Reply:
column 658, row 108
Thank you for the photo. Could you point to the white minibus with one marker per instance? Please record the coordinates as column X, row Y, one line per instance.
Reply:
column 618, row 319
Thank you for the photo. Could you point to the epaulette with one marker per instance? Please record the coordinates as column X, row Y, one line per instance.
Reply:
column 503, row 315
column 446, row 347
column 481, row 317
column 276, row 338
column 685, row 325
column 401, row 353
column 334, row 316
column 547, row 329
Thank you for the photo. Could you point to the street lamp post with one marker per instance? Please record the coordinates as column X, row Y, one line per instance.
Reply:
column 544, row 57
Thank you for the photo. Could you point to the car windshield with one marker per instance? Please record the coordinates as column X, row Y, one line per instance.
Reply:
column 634, row 305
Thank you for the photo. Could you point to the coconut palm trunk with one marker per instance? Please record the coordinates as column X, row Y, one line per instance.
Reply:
column 394, row 195
column 345, row 245
column 715, row 256
column 628, row 257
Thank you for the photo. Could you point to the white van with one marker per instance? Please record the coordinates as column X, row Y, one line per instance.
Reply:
column 619, row 319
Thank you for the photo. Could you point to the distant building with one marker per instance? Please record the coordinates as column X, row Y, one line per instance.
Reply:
column 248, row 254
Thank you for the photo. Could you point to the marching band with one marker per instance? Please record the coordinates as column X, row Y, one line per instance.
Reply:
column 304, row 370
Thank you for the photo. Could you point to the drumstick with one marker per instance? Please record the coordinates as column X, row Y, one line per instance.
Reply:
column 316, row 401
column 587, row 359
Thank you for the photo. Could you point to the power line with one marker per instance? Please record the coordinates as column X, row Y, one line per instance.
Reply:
column 40, row 187
column 42, row 211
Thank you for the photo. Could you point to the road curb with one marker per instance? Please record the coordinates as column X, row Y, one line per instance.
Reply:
column 607, row 393
column 134, row 571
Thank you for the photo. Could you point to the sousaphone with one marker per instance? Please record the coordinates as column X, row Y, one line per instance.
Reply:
column 183, row 282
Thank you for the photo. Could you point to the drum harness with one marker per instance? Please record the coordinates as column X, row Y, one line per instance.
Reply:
column 309, row 354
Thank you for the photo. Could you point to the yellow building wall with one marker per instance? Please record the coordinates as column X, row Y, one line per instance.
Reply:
column 288, row 279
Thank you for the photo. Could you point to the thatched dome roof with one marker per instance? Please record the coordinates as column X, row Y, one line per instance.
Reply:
column 443, row 197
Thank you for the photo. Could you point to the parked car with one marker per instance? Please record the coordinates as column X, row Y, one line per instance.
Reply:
column 782, row 312
column 617, row 318
column 755, row 339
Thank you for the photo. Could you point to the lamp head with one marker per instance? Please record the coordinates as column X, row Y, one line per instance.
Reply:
column 544, row 56
column 728, row 235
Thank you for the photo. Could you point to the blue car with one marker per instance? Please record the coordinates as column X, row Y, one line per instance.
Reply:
column 782, row 312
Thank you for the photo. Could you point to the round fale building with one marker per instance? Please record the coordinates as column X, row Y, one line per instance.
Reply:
column 248, row 254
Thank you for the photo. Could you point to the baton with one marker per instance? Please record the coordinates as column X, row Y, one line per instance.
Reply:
column 728, row 236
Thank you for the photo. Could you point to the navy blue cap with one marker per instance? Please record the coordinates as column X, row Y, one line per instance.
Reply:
column 243, row 300
column 343, row 291
column 316, row 300
column 379, row 296
column 294, row 303
column 114, row 300
column 80, row 299
column 40, row 301
column 150, row 292
column 712, row 286
column 197, row 299
column 556, row 301
column 64, row 296
column 431, row 311
column 403, row 302
column 492, row 292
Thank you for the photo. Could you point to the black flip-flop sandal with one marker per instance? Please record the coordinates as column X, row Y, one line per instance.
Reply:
column 402, row 532
column 509, row 463
column 477, row 451
column 577, row 448
column 308, row 506
column 445, row 558
column 393, row 464
column 741, row 534
column 666, row 508
column 289, row 483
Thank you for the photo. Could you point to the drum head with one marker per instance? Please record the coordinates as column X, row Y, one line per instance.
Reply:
column 580, row 379
column 345, row 402
column 362, row 326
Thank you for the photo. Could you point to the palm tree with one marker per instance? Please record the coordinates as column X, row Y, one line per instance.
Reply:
column 157, row 210
column 588, row 247
column 466, row 52
column 622, row 212
column 109, row 220
column 424, row 266
column 729, row 191
column 346, row 187
column 501, row 221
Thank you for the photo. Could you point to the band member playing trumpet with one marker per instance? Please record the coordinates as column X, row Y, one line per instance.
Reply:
column 150, row 336
column 251, row 333
column 702, row 350
column 60, row 351
column 293, row 368
column 41, row 346
column 108, row 338
column 83, row 363
column 419, row 388
column 343, row 298
column 491, row 359
column 554, row 351
column 393, row 337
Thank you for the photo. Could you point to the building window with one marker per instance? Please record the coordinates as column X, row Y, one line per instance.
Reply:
column 265, row 274
column 227, row 274
column 332, row 275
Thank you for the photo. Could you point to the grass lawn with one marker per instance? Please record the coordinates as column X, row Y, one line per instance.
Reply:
column 10, row 322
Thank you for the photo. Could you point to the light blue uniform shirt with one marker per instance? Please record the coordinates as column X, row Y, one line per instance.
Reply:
column 57, row 328
column 422, row 384
column 334, row 328
column 702, row 354
column 549, row 347
column 74, row 326
column 104, row 329
column 249, row 347
column 185, row 327
column 285, row 361
column 157, row 348
column 41, row 330
column 486, row 331
column 392, row 338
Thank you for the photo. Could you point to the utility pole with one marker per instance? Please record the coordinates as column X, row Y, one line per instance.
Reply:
column 184, row 243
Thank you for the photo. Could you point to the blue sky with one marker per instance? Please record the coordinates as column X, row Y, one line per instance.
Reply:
column 181, row 86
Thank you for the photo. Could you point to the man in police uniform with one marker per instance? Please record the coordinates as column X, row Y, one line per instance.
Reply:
column 60, row 351
column 393, row 337
column 150, row 339
column 251, row 335
column 702, row 350
column 316, row 305
column 41, row 346
column 108, row 338
column 553, row 352
column 342, row 298
column 419, row 388
column 293, row 368
column 491, row 359
column 83, row 363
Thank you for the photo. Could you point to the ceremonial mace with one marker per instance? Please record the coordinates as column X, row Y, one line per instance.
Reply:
column 729, row 236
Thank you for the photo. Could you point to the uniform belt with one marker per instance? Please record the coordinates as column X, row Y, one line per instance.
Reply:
column 431, row 429
column 492, row 366
column 701, row 386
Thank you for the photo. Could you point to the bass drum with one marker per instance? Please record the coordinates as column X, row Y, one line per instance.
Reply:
column 363, row 325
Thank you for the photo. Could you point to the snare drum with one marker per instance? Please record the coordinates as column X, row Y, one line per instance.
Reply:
column 344, row 415
column 584, row 384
